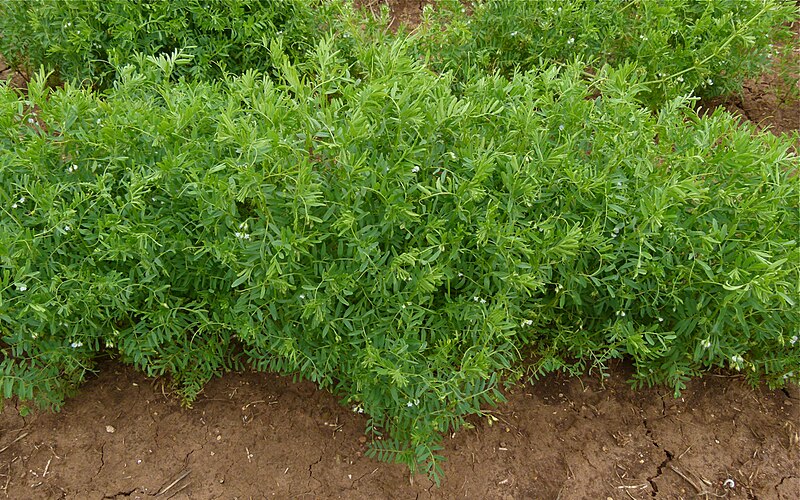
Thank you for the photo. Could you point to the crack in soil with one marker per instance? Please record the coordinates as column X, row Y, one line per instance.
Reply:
column 102, row 458
column 119, row 494
column 668, row 455
column 784, row 478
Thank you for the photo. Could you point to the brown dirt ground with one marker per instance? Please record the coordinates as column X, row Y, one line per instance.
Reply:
column 260, row 436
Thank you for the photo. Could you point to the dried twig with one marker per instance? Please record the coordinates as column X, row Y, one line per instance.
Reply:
column 162, row 491
column 4, row 448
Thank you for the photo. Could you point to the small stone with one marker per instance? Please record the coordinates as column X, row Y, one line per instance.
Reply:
column 362, row 439
column 110, row 429
column 219, row 438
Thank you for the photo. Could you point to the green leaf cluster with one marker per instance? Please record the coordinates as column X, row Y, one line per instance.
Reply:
column 85, row 40
column 356, row 221
column 682, row 46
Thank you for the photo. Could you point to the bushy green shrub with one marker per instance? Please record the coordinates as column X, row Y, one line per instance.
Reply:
column 683, row 45
column 371, row 231
column 85, row 40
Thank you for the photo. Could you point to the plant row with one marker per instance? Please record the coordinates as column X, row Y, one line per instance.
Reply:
column 359, row 222
column 681, row 46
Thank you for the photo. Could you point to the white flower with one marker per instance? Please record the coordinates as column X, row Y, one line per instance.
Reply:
column 710, row 82
column 72, row 168
column 527, row 322
column 737, row 360
column 571, row 40
column 621, row 313
column 31, row 121
column 513, row 33
column 302, row 296
column 680, row 79
column 460, row 275
column 14, row 205
column 242, row 236
column 22, row 287
column 706, row 343
column 476, row 299
column 21, row 200
column 793, row 340
column 98, row 121
column 660, row 319
column 67, row 228
column 483, row 301
column 75, row 345
column 415, row 170
column 409, row 404
column 561, row 127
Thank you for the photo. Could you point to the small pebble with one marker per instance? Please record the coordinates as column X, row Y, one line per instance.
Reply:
column 110, row 429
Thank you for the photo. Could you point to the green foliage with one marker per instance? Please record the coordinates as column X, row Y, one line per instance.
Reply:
column 356, row 222
column 682, row 45
column 85, row 40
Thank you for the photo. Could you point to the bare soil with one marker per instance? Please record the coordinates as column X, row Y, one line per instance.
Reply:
column 258, row 435
column 261, row 435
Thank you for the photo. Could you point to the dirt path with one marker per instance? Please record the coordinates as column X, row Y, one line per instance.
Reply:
column 260, row 435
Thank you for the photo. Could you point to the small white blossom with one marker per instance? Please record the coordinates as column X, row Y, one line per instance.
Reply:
column 31, row 121
column 737, row 360
column 22, row 287
column 513, row 33
column 242, row 236
column 415, row 170
column 67, row 228
column 680, row 79
column 460, row 275
column 483, row 301
column 302, row 296
column 561, row 127
column 710, row 82
column 706, row 343
column 98, row 121
column 660, row 319
column 75, row 345
column 793, row 340
column 571, row 40
column 476, row 299
column 527, row 322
